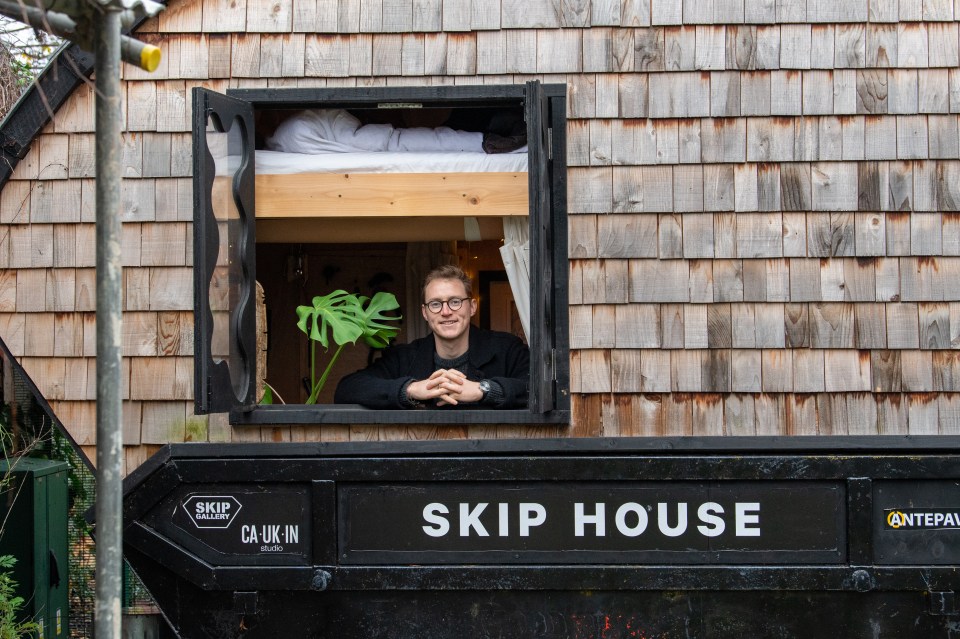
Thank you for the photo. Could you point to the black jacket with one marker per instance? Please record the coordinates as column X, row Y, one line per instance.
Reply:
column 499, row 357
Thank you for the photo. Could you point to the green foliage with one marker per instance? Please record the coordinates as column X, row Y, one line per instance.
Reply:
column 10, row 604
column 345, row 318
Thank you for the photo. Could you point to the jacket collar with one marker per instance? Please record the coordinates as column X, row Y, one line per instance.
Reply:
column 477, row 354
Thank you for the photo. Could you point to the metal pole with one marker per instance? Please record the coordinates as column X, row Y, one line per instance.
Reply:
column 109, row 567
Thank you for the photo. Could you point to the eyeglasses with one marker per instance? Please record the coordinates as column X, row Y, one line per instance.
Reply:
column 454, row 304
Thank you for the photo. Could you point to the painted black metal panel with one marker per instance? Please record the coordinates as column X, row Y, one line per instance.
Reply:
column 592, row 523
column 224, row 253
column 917, row 522
column 818, row 567
column 537, row 116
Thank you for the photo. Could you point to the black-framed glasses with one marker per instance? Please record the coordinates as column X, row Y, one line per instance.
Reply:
column 454, row 304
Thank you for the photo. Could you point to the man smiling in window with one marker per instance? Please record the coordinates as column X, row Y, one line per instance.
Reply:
column 458, row 366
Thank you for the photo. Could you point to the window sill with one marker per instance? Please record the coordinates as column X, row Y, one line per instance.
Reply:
column 356, row 414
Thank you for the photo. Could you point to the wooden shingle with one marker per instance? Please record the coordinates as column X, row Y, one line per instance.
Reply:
column 808, row 371
column 635, row 13
column 851, row 49
column 933, row 91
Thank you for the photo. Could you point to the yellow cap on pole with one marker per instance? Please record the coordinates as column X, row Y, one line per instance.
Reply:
column 150, row 58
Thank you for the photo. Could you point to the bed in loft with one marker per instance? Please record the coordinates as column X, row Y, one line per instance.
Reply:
column 324, row 163
column 383, row 183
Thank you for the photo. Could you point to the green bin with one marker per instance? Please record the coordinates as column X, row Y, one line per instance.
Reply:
column 34, row 509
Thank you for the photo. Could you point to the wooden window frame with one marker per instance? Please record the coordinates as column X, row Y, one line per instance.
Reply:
column 545, row 109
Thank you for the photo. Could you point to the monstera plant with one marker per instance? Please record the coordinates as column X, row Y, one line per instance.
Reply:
column 345, row 318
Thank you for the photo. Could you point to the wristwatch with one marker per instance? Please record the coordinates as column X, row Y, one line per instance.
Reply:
column 484, row 388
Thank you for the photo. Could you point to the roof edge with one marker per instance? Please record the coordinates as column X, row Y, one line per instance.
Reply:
column 69, row 67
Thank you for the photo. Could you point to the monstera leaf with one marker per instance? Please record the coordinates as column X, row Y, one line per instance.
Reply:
column 339, row 313
column 345, row 317
column 375, row 332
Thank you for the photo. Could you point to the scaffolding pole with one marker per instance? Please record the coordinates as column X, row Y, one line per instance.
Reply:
column 109, row 566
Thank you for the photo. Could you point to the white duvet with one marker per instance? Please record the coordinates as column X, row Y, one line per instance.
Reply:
column 334, row 141
column 337, row 131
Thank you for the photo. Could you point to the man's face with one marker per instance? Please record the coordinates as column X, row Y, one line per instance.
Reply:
column 448, row 324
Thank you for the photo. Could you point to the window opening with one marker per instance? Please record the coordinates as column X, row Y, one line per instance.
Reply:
column 300, row 254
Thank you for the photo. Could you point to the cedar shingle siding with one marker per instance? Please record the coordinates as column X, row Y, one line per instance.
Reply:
column 764, row 206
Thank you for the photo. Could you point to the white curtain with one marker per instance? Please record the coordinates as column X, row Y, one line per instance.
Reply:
column 515, row 253
column 422, row 257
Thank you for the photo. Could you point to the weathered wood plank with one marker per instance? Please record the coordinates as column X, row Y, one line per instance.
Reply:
column 625, row 371
column 701, row 281
column 770, row 323
column 655, row 371
column 530, row 14
column 60, row 290
column 917, row 371
column 903, row 329
column 872, row 91
column 851, row 46
column 632, row 95
column 795, row 188
column 728, row 280
column 786, row 93
column 770, row 140
column 710, row 46
column 582, row 231
column 679, row 96
column 795, row 46
column 626, row 236
column 832, row 326
column 794, row 234
column 804, row 280
column 634, row 13
column 818, row 93
column 649, row 50
column 723, row 140
column 946, row 371
column 923, row 414
column 777, row 371
column 808, row 371
column 880, row 138
column 759, row 235
column 822, row 42
column 912, row 44
column 724, row 235
column 739, row 415
column 670, row 236
column 755, row 93
column 943, row 45
column 725, row 93
column 605, row 12
column 947, row 178
column 688, row 190
column 768, row 47
column 933, row 89
column 604, row 325
column 671, row 326
column 846, row 371
column 934, row 326
column 640, row 326
column 769, row 186
column 595, row 375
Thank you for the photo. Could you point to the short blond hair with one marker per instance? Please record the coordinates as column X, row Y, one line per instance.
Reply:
column 447, row 272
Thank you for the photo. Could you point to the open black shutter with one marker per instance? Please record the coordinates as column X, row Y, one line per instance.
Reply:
column 541, row 266
column 224, row 253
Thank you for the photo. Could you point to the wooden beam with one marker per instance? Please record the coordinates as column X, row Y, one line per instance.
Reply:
column 391, row 195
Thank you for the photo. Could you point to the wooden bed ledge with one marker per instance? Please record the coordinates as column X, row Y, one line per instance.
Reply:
column 391, row 194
